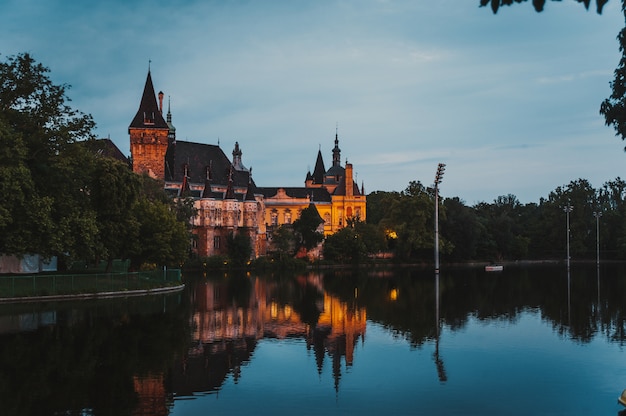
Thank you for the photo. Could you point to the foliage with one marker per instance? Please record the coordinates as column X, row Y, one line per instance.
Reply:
column 410, row 217
column 345, row 246
column 162, row 238
column 283, row 241
column 378, row 204
column 537, row 4
column 505, row 229
column 59, row 197
column 305, row 228
column 36, row 129
column 239, row 247
column 372, row 236
column 462, row 230
column 614, row 108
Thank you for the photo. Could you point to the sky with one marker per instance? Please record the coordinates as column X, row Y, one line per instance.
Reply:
column 509, row 102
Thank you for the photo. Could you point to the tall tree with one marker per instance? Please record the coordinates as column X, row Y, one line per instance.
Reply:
column 239, row 247
column 614, row 108
column 410, row 217
column 37, row 126
column 305, row 228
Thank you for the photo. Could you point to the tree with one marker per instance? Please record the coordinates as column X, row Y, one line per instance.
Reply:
column 36, row 108
column 239, row 247
column 24, row 213
column 283, row 241
column 378, row 204
column 161, row 238
column 36, row 129
column 345, row 246
column 461, row 228
column 373, row 236
column 410, row 217
column 59, row 197
column 614, row 108
column 305, row 228
column 537, row 4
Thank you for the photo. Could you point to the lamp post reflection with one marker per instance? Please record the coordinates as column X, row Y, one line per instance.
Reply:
column 597, row 214
column 441, row 371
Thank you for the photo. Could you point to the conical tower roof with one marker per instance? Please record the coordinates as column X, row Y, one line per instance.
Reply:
column 320, row 170
column 148, row 115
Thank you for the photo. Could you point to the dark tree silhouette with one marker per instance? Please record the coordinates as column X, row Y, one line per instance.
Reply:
column 537, row 4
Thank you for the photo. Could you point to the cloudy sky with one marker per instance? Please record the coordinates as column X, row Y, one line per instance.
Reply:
column 509, row 101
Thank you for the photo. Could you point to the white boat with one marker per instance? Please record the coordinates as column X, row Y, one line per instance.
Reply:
column 494, row 268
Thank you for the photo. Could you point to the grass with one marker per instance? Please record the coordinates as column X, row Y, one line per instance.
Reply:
column 64, row 284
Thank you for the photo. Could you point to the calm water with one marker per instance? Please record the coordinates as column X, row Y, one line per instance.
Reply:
column 526, row 341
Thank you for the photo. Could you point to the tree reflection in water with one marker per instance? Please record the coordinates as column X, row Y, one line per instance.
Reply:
column 134, row 356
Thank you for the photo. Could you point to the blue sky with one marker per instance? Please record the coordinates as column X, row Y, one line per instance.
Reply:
column 509, row 101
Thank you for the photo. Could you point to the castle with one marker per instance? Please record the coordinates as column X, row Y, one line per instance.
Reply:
column 225, row 195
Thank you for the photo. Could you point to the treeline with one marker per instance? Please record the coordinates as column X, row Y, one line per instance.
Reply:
column 504, row 229
column 61, row 197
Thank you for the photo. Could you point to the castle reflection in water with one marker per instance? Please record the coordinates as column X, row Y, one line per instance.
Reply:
column 227, row 322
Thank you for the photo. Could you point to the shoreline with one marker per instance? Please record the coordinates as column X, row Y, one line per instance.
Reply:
column 96, row 295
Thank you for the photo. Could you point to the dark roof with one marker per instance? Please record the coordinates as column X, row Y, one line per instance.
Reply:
column 317, row 194
column 106, row 148
column 250, row 192
column 148, row 114
column 198, row 157
column 341, row 188
column 318, row 172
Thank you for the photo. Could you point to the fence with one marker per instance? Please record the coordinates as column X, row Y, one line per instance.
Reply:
column 63, row 284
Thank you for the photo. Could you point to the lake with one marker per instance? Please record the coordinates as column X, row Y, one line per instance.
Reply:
column 530, row 340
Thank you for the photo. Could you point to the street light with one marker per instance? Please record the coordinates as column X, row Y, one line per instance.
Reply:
column 597, row 214
column 568, row 208
column 438, row 177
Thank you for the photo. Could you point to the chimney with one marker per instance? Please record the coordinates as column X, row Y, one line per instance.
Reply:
column 349, row 180
column 161, row 102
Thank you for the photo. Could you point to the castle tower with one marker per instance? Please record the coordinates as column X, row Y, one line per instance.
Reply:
column 149, row 135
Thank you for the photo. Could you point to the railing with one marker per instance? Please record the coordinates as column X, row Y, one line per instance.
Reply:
column 63, row 284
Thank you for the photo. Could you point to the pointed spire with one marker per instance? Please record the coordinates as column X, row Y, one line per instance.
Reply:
column 171, row 134
column 319, row 170
column 230, row 190
column 336, row 150
column 185, row 189
column 148, row 114
column 250, row 190
column 207, row 192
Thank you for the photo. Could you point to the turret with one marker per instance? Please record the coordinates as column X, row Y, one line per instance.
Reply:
column 148, row 135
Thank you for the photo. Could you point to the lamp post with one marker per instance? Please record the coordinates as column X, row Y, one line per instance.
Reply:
column 568, row 208
column 597, row 214
column 438, row 177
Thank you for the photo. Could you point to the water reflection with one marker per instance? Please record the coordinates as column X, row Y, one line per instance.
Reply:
column 142, row 356
column 227, row 325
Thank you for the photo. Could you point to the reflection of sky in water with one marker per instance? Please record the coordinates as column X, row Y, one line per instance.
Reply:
column 493, row 367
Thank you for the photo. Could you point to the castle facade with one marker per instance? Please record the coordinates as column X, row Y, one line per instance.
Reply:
column 225, row 196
